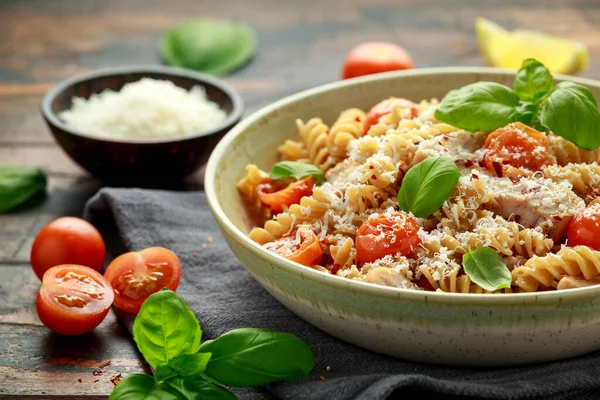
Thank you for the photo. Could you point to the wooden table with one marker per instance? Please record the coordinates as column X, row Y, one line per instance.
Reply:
column 302, row 44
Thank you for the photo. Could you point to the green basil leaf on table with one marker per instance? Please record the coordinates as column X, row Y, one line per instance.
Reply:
column 296, row 170
column 427, row 185
column 571, row 111
column 166, row 328
column 190, row 364
column 18, row 184
column 254, row 357
column 215, row 47
column 533, row 81
column 481, row 106
column 487, row 269
column 140, row 386
column 198, row 389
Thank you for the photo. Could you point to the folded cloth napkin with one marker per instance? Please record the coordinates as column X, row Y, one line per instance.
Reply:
column 224, row 296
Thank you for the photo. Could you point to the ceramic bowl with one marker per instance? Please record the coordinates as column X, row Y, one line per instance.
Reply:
column 446, row 328
column 141, row 162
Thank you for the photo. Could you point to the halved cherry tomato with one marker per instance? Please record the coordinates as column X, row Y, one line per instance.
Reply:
column 374, row 57
column 302, row 247
column 385, row 107
column 67, row 240
column 73, row 299
column 584, row 229
column 517, row 145
column 386, row 235
column 136, row 275
column 276, row 195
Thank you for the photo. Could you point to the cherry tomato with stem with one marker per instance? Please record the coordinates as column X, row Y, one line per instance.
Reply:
column 73, row 299
column 386, row 235
column 67, row 240
column 136, row 275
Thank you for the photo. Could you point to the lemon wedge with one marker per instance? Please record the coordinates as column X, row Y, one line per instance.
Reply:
column 507, row 49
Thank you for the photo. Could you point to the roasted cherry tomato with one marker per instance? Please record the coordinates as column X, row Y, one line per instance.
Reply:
column 136, row 275
column 385, row 107
column 276, row 195
column 584, row 229
column 516, row 145
column 386, row 235
column 374, row 57
column 302, row 247
column 73, row 299
column 67, row 240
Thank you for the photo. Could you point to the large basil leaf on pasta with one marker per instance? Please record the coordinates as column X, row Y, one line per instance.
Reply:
column 571, row 112
column 482, row 106
column 485, row 267
column 428, row 185
column 296, row 170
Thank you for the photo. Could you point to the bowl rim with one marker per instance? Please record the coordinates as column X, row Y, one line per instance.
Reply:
column 232, row 118
column 465, row 299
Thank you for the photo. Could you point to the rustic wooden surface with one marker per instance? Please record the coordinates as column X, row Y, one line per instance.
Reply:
column 302, row 44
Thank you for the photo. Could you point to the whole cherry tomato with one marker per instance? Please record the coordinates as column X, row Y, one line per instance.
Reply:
column 374, row 57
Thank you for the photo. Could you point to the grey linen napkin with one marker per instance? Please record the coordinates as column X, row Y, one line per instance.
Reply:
column 224, row 296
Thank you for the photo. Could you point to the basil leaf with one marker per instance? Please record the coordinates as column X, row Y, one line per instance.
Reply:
column 427, row 185
column 212, row 46
column 481, row 106
column 571, row 112
column 533, row 81
column 198, row 389
column 18, row 184
column 296, row 170
column 141, row 387
column 485, row 267
column 190, row 364
column 165, row 329
column 255, row 357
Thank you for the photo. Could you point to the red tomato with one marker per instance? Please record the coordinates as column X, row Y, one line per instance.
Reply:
column 385, row 107
column 386, row 235
column 136, row 275
column 517, row 145
column 374, row 57
column 67, row 240
column 276, row 195
column 73, row 299
column 303, row 247
column 584, row 229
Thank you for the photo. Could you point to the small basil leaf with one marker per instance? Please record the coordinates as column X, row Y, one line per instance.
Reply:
column 255, row 357
column 163, row 372
column 533, row 81
column 296, row 170
column 427, row 185
column 140, row 387
column 18, row 184
column 212, row 46
column 165, row 328
column 571, row 112
column 198, row 389
column 190, row 364
column 485, row 267
column 526, row 112
column 481, row 106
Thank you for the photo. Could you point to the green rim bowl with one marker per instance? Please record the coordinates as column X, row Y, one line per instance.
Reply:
column 445, row 328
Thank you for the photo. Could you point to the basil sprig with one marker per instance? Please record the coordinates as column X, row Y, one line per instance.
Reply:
column 168, row 335
column 18, row 184
column 567, row 109
column 296, row 170
column 427, row 185
column 485, row 267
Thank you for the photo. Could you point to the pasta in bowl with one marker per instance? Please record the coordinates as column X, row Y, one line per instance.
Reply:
column 353, row 245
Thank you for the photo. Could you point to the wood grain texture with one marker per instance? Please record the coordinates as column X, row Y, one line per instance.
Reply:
column 300, row 46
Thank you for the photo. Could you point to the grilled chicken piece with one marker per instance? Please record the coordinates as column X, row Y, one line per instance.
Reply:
column 536, row 202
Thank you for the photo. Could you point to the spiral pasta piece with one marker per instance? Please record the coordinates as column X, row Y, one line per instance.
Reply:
column 547, row 271
column 349, row 125
column 291, row 150
column 274, row 229
column 343, row 254
column 567, row 152
column 314, row 135
column 585, row 178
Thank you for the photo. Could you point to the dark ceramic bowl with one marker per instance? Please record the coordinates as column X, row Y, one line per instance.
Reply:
column 138, row 161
